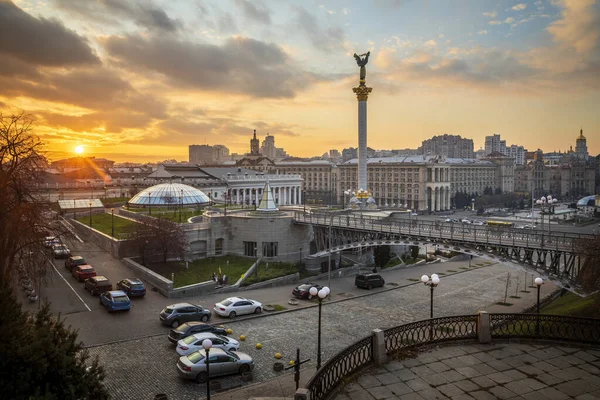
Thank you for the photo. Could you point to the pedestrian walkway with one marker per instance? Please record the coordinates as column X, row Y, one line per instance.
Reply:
column 479, row 371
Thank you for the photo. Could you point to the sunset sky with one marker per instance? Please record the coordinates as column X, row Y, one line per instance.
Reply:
column 141, row 80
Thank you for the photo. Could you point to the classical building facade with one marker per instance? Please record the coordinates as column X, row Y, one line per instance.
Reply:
column 450, row 146
column 319, row 178
column 426, row 183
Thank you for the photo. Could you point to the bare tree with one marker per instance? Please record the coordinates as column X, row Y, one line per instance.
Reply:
column 22, row 221
column 158, row 237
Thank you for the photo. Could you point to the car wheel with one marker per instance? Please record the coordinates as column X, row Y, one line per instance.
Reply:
column 101, row 302
column 92, row 292
column 309, row 297
column 174, row 324
column 201, row 377
column 244, row 368
column 369, row 287
column 204, row 318
column 232, row 314
column 258, row 310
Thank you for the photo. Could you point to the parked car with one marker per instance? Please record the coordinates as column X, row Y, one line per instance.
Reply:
column 233, row 306
column 466, row 221
column 60, row 251
column 302, row 291
column 194, row 343
column 176, row 314
column 50, row 241
column 368, row 280
column 133, row 287
column 98, row 284
column 74, row 261
column 115, row 300
column 192, row 327
column 222, row 362
column 83, row 272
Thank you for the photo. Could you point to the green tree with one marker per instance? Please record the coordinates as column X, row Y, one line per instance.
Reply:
column 41, row 358
column 414, row 252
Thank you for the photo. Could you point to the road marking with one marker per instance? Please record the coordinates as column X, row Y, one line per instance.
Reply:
column 70, row 228
column 63, row 278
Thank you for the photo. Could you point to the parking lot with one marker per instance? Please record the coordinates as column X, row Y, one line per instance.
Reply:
column 140, row 362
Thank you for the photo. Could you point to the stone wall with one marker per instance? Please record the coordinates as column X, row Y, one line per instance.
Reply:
column 117, row 248
column 282, row 280
column 162, row 284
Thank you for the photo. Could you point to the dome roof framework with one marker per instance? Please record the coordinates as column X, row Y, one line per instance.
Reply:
column 166, row 194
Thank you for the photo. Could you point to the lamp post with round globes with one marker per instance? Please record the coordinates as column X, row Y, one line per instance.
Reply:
column 207, row 344
column 322, row 294
column 149, row 201
column 90, row 214
column 112, row 222
column 432, row 283
column 346, row 193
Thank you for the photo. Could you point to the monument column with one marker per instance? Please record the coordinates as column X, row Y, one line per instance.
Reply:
column 362, row 95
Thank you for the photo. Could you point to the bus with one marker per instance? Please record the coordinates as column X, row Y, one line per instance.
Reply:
column 502, row 224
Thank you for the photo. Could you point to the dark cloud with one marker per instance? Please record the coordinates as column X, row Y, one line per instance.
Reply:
column 142, row 13
column 324, row 39
column 12, row 66
column 40, row 41
column 241, row 65
column 255, row 11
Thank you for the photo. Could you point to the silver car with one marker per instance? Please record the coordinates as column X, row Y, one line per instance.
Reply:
column 222, row 362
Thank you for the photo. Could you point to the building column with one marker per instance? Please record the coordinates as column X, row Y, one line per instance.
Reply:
column 437, row 199
column 284, row 201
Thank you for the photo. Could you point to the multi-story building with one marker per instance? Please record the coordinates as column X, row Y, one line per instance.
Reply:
column 450, row 146
column 268, row 148
column 494, row 144
column 77, row 163
column 319, row 178
column 424, row 183
column 567, row 180
column 517, row 153
column 581, row 151
column 204, row 154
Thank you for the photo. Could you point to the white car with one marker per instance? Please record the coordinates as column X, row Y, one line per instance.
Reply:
column 194, row 343
column 233, row 306
column 466, row 221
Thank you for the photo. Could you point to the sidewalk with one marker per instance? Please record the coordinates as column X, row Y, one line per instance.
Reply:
column 283, row 387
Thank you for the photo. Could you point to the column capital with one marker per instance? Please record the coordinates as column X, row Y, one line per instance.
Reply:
column 362, row 92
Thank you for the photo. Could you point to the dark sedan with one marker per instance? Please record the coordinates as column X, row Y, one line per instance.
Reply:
column 176, row 314
column 193, row 327
column 303, row 291
column 133, row 287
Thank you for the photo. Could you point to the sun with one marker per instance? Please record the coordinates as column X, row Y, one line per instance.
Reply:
column 79, row 149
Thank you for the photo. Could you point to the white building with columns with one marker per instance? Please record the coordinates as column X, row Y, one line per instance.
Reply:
column 234, row 184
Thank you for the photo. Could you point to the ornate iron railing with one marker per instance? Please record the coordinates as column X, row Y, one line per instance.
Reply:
column 342, row 365
column 430, row 331
column 548, row 327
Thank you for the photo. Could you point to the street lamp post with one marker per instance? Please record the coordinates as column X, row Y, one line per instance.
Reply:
column 346, row 193
column 329, row 254
column 432, row 283
column 304, row 201
column 180, row 205
column 207, row 344
column 90, row 214
column 74, row 209
column 322, row 294
column 538, row 282
column 149, row 200
column 112, row 222
column 300, row 248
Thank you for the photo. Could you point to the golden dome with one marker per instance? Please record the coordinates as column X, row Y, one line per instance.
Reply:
column 581, row 137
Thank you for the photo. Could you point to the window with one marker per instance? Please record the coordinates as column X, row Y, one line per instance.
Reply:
column 269, row 249
column 250, row 249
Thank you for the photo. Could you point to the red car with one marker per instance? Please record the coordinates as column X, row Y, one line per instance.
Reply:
column 83, row 272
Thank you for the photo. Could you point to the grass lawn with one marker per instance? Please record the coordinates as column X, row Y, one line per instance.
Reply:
column 275, row 270
column 571, row 304
column 114, row 200
column 103, row 223
column 172, row 214
column 202, row 270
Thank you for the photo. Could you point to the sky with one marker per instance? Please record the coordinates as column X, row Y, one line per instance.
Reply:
column 140, row 80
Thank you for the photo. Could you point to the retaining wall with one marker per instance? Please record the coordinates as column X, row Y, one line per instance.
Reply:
column 162, row 284
column 117, row 248
column 282, row 280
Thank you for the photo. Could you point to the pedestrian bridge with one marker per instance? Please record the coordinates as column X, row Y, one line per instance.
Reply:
column 555, row 254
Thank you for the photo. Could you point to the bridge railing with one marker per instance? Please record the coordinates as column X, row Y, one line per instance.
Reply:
column 446, row 230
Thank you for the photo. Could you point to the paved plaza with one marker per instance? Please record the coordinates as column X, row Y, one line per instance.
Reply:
column 140, row 368
column 525, row 370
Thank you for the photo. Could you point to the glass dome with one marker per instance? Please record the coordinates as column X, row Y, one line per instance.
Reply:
column 168, row 194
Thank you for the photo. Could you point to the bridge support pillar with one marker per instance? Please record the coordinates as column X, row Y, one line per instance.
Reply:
column 484, row 331
column 379, row 352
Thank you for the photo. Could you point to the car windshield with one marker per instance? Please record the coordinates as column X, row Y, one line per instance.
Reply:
column 120, row 299
column 227, row 303
column 182, row 328
column 168, row 310
column 189, row 339
column 233, row 355
column 60, row 247
column 195, row 357
column 305, row 287
column 80, row 262
column 137, row 286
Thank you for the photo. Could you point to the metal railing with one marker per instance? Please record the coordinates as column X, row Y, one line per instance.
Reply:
column 443, row 231
column 435, row 330
column 454, row 328
column 340, row 366
column 547, row 327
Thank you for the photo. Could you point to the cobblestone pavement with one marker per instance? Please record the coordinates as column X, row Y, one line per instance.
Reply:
column 478, row 371
column 140, row 368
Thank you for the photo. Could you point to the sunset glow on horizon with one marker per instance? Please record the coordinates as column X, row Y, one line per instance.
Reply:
column 141, row 81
